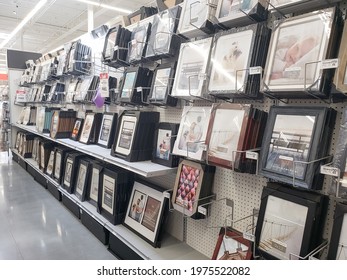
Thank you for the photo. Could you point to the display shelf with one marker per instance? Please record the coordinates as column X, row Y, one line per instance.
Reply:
column 144, row 168
column 171, row 248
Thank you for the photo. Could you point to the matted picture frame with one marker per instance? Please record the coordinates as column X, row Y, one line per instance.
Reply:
column 82, row 179
column 146, row 211
column 50, row 165
column 289, row 223
column 192, row 185
column 231, row 245
column 338, row 240
column 191, row 136
column 91, row 128
column 225, row 139
column 94, row 184
column 164, row 139
column 71, row 162
column 77, row 129
column 285, row 71
column 107, row 130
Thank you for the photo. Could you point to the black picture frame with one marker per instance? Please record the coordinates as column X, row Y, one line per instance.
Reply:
column 82, row 179
column 59, row 160
column 70, row 171
column 290, row 222
column 162, row 83
column 146, row 212
column 91, row 128
column 164, row 140
column 107, row 130
column 94, row 183
column 302, row 144
column 337, row 246
column 138, row 43
column 76, row 131
column 109, row 44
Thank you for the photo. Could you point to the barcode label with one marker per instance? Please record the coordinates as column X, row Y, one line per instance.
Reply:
column 249, row 236
column 252, row 155
column 202, row 210
column 330, row 63
column 328, row 170
column 255, row 70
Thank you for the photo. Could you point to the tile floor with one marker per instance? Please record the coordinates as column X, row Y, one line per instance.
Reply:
column 36, row 226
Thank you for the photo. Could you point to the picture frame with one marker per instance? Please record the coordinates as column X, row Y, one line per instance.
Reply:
column 59, row 162
column 82, row 179
column 138, row 44
column 162, row 83
column 192, row 132
column 337, row 246
column 192, row 185
column 77, row 129
column 284, row 75
column 50, row 164
column 114, row 193
column 146, row 212
column 294, row 134
column 45, row 148
column 284, row 234
column 91, row 128
column 70, row 171
column 231, row 245
column 94, row 184
column 109, row 43
column 107, row 130
column 340, row 77
column 164, row 139
column 40, row 119
column 190, row 80
column 225, row 139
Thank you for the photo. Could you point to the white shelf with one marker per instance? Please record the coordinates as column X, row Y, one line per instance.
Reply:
column 143, row 168
column 171, row 248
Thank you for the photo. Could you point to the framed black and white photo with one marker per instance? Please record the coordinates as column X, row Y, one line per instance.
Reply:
column 192, row 132
column 293, row 137
column 145, row 212
column 338, row 239
column 165, row 136
column 190, row 79
column 107, row 131
column 82, row 179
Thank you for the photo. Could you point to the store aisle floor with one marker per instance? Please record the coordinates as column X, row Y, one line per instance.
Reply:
column 36, row 226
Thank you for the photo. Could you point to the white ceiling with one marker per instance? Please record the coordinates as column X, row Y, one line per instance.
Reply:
column 59, row 21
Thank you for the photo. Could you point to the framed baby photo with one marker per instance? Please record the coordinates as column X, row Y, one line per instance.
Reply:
column 225, row 139
column 193, row 183
column 145, row 212
column 232, row 246
column 82, row 179
column 191, row 136
column 107, row 131
column 164, row 139
column 297, row 46
column 77, row 129
column 338, row 240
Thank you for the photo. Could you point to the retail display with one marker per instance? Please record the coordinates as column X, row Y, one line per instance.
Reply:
column 62, row 123
column 77, row 129
column 78, row 59
column 45, row 148
column 138, row 42
column 231, row 245
column 114, row 194
column 82, row 178
column 91, row 128
column 59, row 162
column 141, row 14
column 337, row 247
column 239, row 13
column 50, row 164
column 69, row 179
column 295, row 140
column 107, row 131
column 290, row 222
column 146, row 212
column 164, row 139
column 191, row 136
column 94, row 184
column 135, row 135
column 192, row 187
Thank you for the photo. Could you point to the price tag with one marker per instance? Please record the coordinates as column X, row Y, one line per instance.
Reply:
column 116, row 48
column 202, row 210
column 104, row 88
column 328, row 170
column 255, row 70
column 252, row 155
column 330, row 63
column 167, row 194
column 139, row 89
column 202, row 76
column 249, row 236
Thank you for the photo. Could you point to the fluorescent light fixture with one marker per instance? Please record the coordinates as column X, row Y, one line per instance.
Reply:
column 23, row 22
column 125, row 11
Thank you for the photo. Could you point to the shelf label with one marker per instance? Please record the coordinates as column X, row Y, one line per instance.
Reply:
column 202, row 210
column 116, row 48
column 257, row 70
column 139, row 89
column 249, row 236
column 330, row 63
column 328, row 170
column 104, row 88
column 252, row 155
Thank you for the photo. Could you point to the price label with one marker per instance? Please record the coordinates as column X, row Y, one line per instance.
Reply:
column 328, row 170
column 116, row 48
column 252, row 155
column 104, row 88
column 255, row 70
column 202, row 210
column 249, row 236
column 202, row 76
column 167, row 194
column 330, row 63
column 139, row 89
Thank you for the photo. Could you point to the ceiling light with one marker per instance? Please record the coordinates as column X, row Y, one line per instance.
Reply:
column 23, row 22
column 125, row 11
